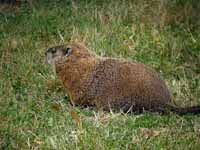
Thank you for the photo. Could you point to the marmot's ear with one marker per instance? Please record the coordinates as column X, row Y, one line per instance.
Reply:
column 67, row 51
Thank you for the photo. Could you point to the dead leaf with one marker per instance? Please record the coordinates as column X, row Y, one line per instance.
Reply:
column 198, row 132
column 75, row 117
column 55, row 105
column 49, row 84
column 147, row 133
column 37, row 141
column 1, row 141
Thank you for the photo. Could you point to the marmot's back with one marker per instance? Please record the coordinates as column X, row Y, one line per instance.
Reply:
column 121, row 84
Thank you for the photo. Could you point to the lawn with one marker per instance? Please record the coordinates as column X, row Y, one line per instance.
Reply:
column 34, row 107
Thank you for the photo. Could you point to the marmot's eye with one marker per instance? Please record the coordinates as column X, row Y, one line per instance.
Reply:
column 67, row 51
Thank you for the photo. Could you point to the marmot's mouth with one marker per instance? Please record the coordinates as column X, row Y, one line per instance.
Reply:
column 48, row 58
column 47, row 61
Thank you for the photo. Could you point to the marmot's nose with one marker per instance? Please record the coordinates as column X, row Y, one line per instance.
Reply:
column 50, row 50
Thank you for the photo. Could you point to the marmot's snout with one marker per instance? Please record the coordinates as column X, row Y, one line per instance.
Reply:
column 49, row 55
column 55, row 53
column 50, row 51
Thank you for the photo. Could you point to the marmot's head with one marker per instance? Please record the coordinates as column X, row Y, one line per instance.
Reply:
column 65, row 52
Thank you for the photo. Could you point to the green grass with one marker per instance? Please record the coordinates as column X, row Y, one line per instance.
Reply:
column 145, row 31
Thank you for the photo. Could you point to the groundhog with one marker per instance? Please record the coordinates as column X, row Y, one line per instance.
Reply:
column 110, row 83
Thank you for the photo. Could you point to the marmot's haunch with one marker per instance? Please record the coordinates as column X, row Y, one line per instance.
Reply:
column 110, row 83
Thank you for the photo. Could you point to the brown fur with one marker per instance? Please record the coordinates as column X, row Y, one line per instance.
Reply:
column 111, row 83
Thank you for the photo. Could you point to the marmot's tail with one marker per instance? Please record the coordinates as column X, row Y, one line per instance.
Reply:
column 185, row 110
